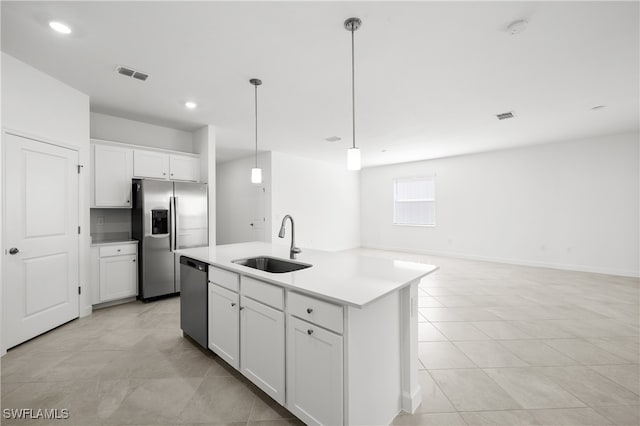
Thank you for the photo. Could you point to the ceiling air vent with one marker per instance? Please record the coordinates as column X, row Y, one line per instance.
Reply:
column 129, row 72
column 140, row 76
column 505, row 115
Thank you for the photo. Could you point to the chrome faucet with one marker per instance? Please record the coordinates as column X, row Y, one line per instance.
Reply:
column 294, row 250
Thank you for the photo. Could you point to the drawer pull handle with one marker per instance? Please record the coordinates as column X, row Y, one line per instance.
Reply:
column 119, row 250
column 309, row 332
column 309, row 310
column 134, row 260
column 241, row 307
column 233, row 304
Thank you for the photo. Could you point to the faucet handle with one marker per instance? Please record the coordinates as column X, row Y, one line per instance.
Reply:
column 296, row 250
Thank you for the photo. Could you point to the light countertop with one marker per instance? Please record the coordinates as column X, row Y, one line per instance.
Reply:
column 344, row 277
column 112, row 242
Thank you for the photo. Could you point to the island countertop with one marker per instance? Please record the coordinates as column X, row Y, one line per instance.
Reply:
column 344, row 277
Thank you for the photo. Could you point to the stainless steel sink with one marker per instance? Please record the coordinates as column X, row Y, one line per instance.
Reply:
column 271, row 264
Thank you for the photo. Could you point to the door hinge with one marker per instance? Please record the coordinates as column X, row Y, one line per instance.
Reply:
column 78, row 230
column 79, row 167
column 79, row 290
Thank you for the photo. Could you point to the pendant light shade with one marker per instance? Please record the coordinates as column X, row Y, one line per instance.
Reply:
column 353, row 153
column 256, row 172
column 353, row 159
column 256, row 175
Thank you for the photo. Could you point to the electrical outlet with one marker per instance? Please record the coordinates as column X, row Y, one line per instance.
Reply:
column 101, row 221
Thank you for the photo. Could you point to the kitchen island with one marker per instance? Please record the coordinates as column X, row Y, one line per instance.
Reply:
column 335, row 343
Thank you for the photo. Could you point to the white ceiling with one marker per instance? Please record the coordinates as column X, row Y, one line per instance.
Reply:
column 430, row 76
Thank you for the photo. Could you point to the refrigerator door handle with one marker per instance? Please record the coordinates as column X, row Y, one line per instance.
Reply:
column 176, row 241
column 172, row 215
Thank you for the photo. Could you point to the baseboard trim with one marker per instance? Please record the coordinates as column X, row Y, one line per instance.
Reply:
column 410, row 403
column 521, row 262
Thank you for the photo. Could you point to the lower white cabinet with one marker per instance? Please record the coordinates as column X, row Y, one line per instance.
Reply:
column 118, row 277
column 114, row 270
column 300, row 366
column 314, row 373
column 262, row 347
column 224, row 324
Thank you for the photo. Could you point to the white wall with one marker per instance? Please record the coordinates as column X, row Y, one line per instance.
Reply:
column 323, row 199
column 570, row 205
column 42, row 107
column 118, row 129
column 241, row 203
column 204, row 143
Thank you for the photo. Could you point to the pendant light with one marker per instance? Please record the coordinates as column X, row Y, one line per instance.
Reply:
column 353, row 153
column 256, row 173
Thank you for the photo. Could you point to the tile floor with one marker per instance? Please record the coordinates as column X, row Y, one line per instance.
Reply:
column 499, row 345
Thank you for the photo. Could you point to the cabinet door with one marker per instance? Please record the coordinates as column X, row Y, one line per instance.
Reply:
column 314, row 373
column 149, row 164
column 224, row 324
column 183, row 167
column 118, row 277
column 112, row 173
column 262, row 347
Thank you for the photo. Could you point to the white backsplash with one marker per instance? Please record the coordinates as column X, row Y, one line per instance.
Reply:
column 110, row 224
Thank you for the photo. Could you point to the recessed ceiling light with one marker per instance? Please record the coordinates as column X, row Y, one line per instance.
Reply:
column 190, row 105
column 384, row 150
column 597, row 107
column 333, row 139
column 60, row 27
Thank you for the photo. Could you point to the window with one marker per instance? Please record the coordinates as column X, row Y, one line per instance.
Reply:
column 414, row 201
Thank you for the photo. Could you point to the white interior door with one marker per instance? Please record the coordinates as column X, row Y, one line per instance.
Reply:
column 41, row 238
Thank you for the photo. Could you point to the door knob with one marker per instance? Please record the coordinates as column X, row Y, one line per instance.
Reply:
column 13, row 250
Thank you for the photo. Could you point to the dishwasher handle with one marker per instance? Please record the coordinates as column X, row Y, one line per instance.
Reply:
column 196, row 264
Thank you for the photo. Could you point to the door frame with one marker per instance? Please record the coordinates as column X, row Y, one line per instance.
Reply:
column 3, row 205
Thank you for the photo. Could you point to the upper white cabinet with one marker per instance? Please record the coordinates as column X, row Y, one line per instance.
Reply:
column 158, row 165
column 183, row 167
column 115, row 164
column 112, row 173
column 149, row 164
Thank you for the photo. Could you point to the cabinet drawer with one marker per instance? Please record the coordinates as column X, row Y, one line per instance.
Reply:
column 268, row 294
column 317, row 311
column 224, row 278
column 118, row 250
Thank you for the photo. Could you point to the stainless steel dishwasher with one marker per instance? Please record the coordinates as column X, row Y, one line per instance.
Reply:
column 193, row 300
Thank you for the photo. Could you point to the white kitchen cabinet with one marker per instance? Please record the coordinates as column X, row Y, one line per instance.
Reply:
column 114, row 272
column 183, row 167
column 112, row 173
column 224, row 324
column 150, row 164
column 314, row 373
column 262, row 355
column 118, row 277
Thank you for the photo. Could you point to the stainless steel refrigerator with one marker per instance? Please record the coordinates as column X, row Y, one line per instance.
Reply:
column 166, row 216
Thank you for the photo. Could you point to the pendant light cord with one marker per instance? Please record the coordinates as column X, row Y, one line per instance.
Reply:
column 353, row 87
column 256, row 103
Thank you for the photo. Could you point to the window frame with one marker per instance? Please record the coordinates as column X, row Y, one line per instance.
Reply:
column 429, row 200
